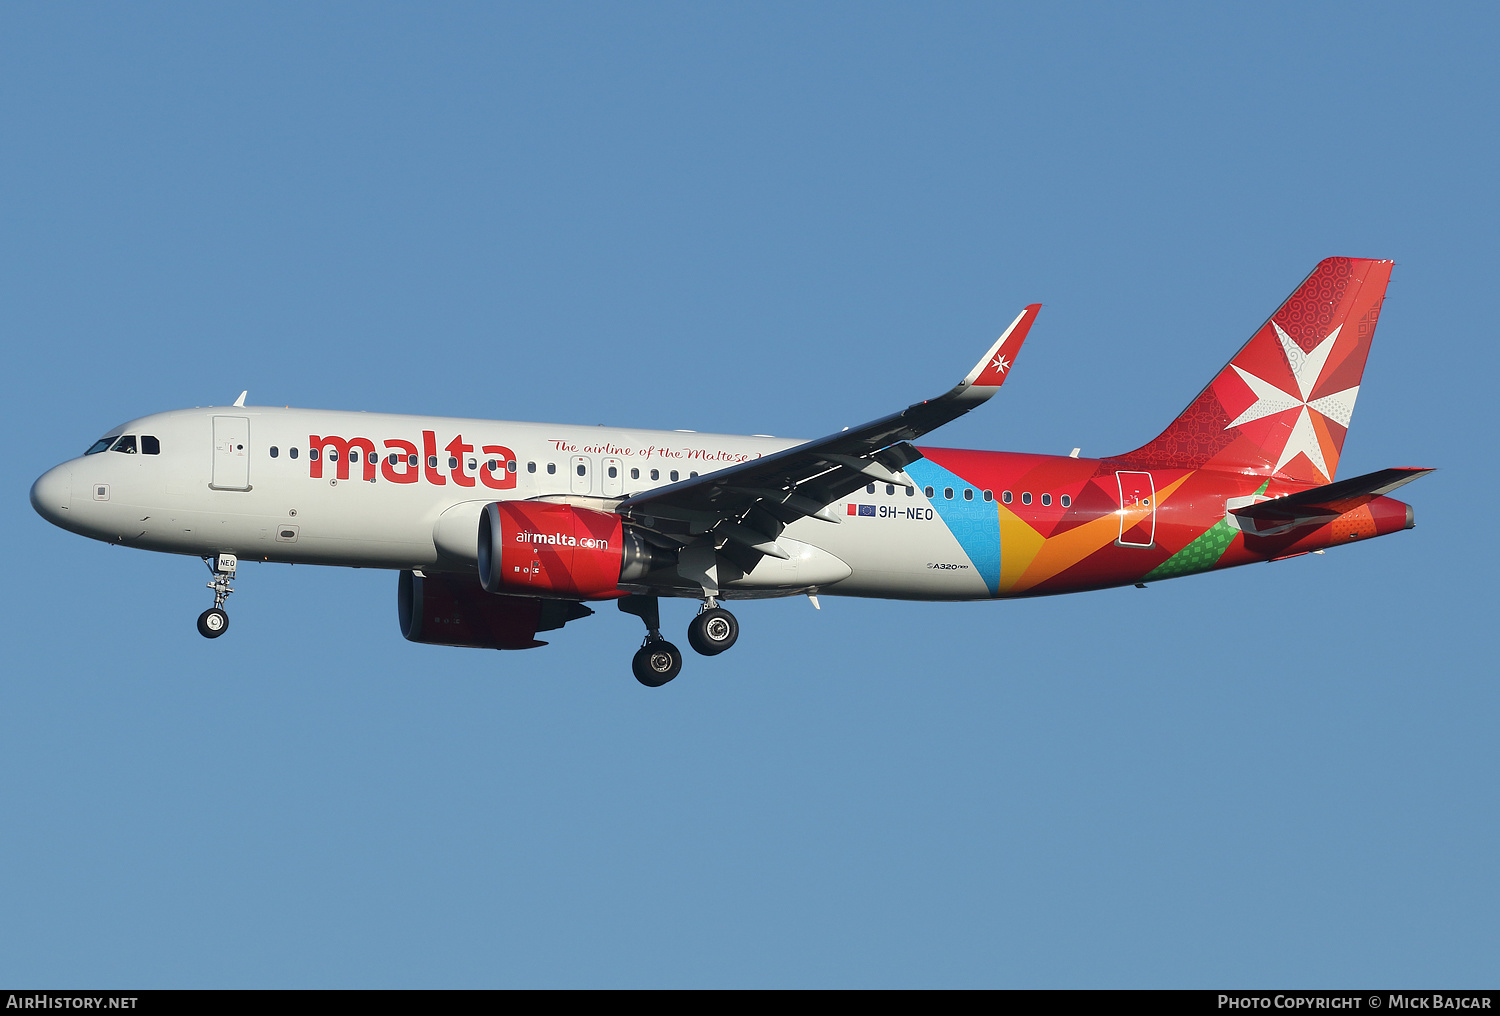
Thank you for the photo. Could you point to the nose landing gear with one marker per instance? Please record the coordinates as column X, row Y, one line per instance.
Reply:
column 214, row 622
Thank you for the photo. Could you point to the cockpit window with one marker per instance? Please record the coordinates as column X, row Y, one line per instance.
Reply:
column 149, row 445
column 101, row 445
column 126, row 444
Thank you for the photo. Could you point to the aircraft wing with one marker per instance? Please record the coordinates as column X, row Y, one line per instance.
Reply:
column 746, row 506
column 1322, row 504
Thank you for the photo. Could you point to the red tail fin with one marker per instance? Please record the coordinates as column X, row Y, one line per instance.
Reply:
column 1282, row 406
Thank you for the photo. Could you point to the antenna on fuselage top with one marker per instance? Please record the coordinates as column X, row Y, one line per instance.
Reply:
column 241, row 400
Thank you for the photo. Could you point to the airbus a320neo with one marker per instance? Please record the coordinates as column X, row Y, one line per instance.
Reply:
column 499, row 531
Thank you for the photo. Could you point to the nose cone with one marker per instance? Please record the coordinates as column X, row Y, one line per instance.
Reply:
column 52, row 495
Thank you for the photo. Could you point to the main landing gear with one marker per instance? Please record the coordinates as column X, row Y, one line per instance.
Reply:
column 658, row 661
column 713, row 630
column 214, row 622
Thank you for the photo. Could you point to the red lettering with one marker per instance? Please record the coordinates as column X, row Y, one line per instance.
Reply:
column 458, row 450
column 401, row 471
column 398, row 468
column 501, row 477
column 341, row 449
column 429, row 459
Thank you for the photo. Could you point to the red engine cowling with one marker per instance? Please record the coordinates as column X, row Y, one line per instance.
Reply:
column 451, row 610
column 542, row 549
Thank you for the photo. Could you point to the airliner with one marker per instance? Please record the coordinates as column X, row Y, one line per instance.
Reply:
column 500, row 531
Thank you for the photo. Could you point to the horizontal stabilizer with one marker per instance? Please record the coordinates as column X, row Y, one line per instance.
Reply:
column 1321, row 504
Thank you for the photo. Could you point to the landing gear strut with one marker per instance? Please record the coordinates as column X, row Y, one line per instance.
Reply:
column 713, row 630
column 657, row 661
column 214, row 622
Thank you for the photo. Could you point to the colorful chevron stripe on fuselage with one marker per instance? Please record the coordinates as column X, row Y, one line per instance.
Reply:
column 1038, row 524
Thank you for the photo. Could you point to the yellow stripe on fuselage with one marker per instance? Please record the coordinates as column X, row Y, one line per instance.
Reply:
column 1028, row 559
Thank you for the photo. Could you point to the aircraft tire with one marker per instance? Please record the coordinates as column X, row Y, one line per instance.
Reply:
column 212, row 623
column 656, row 663
column 713, row 631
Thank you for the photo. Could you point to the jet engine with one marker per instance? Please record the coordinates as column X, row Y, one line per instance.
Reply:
column 540, row 549
column 451, row 610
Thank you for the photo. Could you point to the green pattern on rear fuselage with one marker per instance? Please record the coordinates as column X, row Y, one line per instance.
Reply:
column 1203, row 553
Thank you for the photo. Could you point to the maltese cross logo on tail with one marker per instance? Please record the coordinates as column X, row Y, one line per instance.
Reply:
column 1271, row 399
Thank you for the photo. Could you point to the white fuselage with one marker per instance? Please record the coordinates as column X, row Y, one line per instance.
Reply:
column 295, row 485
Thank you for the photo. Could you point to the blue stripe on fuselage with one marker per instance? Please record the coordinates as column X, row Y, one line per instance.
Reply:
column 975, row 523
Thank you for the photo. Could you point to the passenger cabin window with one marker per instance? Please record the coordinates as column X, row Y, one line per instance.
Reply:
column 869, row 488
column 149, row 445
column 275, row 451
column 613, row 472
column 694, row 473
column 411, row 460
column 1067, row 502
column 968, row 494
column 635, row 474
column 1047, row 499
column 673, row 475
column 551, row 468
column 510, row 465
column 1026, row 497
column 582, row 469
column 312, row 453
column 292, row 452
column 101, row 445
column 927, row 491
column 989, row 495
column 911, row 491
column 531, row 467
column 452, row 462
column 1005, row 497
column 126, row 444
column 656, row 474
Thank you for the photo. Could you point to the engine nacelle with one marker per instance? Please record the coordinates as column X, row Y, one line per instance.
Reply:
column 451, row 610
column 541, row 549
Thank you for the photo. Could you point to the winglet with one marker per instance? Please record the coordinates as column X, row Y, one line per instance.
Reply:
column 990, row 372
column 241, row 400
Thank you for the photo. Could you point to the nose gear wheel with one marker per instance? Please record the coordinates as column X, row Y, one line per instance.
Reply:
column 214, row 622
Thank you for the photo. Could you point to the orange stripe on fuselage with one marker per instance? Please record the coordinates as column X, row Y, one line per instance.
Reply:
column 1046, row 557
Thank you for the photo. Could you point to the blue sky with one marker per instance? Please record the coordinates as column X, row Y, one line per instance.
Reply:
column 775, row 219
